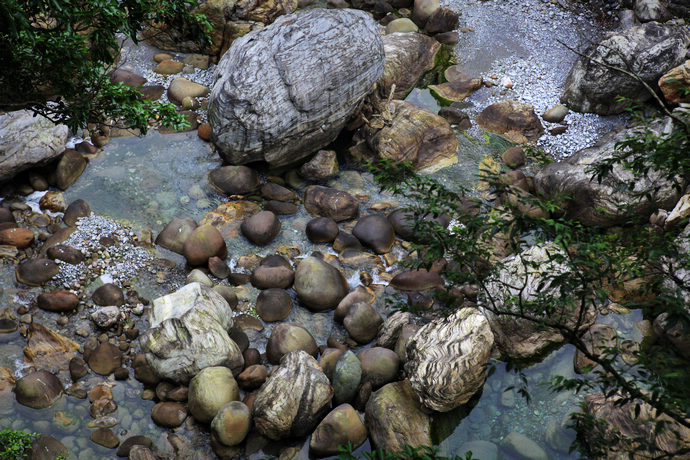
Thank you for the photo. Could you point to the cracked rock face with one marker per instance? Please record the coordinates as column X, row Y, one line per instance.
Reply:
column 649, row 49
column 280, row 414
column 447, row 359
column 190, row 334
column 285, row 91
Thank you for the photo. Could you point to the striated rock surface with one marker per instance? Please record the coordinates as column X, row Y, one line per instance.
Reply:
column 446, row 359
column 285, row 91
column 27, row 141
column 524, row 275
column 190, row 334
column 390, row 330
column 604, row 203
column 408, row 57
column 649, row 50
column 280, row 414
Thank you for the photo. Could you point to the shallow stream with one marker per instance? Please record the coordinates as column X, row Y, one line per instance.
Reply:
column 145, row 182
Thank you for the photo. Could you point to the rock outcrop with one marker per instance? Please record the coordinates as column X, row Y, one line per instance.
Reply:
column 607, row 202
column 284, row 92
column 648, row 50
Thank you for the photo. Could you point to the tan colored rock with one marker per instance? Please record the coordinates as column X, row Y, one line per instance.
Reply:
column 53, row 201
column 181, row 88
column 674, row 82
column 513, row 120
column 228, row 217
column 46, row 349
column 417, row 135
column 447, row 358
column 395, row 418
column 280, row 414
column 169, row 67
column 408, row 57
column 341, row 426
column 457, row 90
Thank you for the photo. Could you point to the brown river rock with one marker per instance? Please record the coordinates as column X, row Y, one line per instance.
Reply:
column 35, row 272
column 17, row 237
column 57, row 301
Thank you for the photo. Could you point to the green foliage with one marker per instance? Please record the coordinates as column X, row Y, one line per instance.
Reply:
column 14, row 444
column 56, row 54
column 585, row 267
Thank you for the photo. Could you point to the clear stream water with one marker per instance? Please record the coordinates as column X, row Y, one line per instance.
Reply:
column 145, row 182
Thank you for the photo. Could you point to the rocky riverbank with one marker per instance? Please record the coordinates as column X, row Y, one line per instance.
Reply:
column 264, row 320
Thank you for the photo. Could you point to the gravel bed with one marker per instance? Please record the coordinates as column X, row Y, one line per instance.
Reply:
column 121, row 262
column 523, row 35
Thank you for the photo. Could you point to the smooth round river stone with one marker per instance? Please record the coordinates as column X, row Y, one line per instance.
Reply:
column 379, row 366
column 169, row 414
column 322, row 230
column 287, row 337
column 232, row 423
column 76, row 210
column 65, row 253
column 108, row 294
column 319, row 285
column 262, row 228
column 347, row 375
column 36, row 272
column 362, row 322
column 105, row 437
column 234, row 180
column 210, row 390
column 274, row 272
column 375, row 232
column 176, row 233
column 105, row 358
column 416, row 280
column 340, row 426
column 38, row 390
column 20, row 238
column 204, row 243
column 273, row 305
column 57, row 301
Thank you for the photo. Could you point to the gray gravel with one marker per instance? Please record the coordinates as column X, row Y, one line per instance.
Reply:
column 518, row 40
column 117, row 264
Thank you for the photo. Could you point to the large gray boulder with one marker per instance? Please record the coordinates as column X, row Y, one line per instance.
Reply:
column 190, row 334
column 526, row 279
column 446, row 359
column 280, row 414
column 604, row 203
column 27, row 141
column 284, row 92
column 648, row 50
